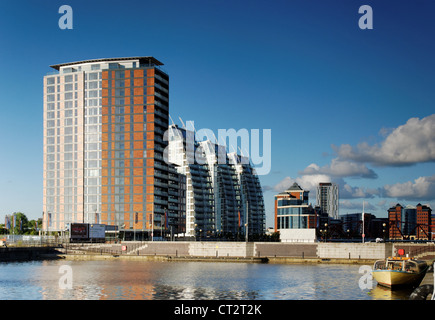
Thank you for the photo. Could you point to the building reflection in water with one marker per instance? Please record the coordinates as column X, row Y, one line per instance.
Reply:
column 141, row 280
column 131, row 280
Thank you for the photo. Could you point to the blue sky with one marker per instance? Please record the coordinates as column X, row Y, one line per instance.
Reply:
column 338, row 99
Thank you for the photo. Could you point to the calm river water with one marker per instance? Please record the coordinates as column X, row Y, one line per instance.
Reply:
column 133, row 280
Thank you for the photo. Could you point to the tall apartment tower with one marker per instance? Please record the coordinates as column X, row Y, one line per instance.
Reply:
column 223, row 178
column 104, row 121
column 199, row 191
column 221, row 196
column 327, row 198
column 251, row 195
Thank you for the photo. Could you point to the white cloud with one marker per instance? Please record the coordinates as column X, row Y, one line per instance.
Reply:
column 357, row 206
column 283, row 184
column 340, row 169
column 349, row 192
column 307, row 182
column 422, row 188
column 311, row 182
column 408, row 144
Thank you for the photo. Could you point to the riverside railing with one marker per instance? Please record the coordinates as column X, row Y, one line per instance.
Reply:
column 425, row 250
column 31, row 241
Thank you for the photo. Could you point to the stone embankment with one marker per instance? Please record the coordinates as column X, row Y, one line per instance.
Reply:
column 254, row 252
column 258, row 252
column 8, row 254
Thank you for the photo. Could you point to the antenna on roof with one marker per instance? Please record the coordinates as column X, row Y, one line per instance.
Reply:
column 171, row 119
column 182, row 122
column 241, row 152
column 215, row 139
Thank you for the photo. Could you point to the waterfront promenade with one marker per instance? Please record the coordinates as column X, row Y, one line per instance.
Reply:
column 347, row 253
column 255, row 252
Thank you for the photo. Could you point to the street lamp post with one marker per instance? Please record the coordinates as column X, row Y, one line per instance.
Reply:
column 326, row 231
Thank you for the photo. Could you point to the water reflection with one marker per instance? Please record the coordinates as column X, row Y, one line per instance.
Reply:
column 134, row 280
column 382, row 293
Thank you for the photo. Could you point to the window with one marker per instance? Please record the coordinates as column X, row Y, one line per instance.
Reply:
column 93, row 76
column 120, row 92
column 120, row 74
column 68, row 87
column 92, row 102
column 93, row 94
column 119, row 110
column 93, row 85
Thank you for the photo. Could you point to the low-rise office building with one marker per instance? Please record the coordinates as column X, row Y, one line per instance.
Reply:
column 295, row 218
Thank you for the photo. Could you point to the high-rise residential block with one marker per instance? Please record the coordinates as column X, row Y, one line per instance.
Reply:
column 199, row 197
column 327, row 198
column 223, row 193
column 251, row 195
column 105, row 137
column 104, row 121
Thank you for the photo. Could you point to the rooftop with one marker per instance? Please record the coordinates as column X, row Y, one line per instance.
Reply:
column 294, row 187
column 142, row 60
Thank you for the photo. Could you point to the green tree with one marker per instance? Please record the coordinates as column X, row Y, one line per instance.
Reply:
column 3, row 230
column 21, row 223
column 31, row 227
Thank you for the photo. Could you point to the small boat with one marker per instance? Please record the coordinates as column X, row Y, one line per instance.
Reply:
column 399, row 272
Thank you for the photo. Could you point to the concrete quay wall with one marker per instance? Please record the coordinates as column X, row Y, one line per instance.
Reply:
column 276, row 252
column 8, row 254
column 374, row 251
column 371, row 251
